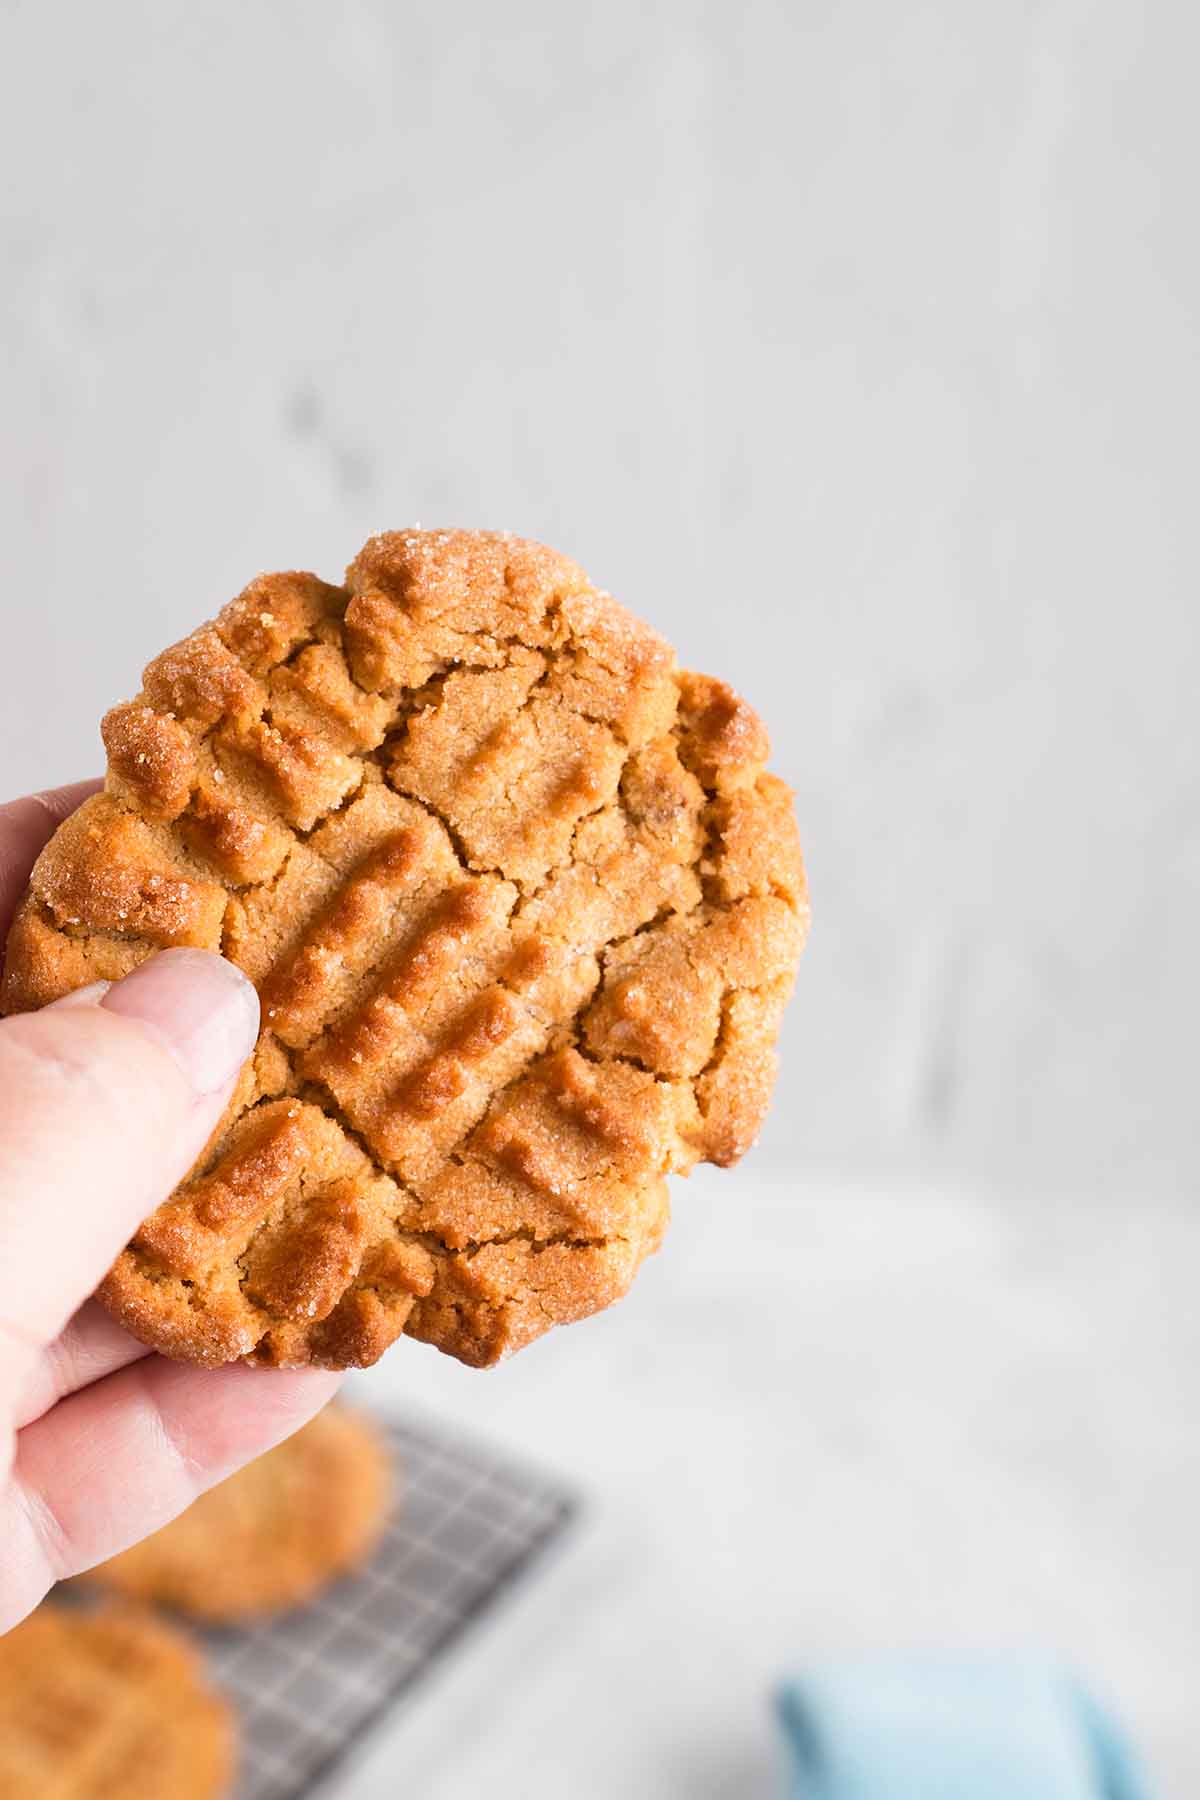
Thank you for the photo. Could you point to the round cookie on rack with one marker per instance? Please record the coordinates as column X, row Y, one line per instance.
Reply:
column 274, row 1534
column 523, row 906
column 101, row 1705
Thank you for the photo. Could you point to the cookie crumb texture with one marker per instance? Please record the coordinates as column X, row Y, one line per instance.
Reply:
column 104, row 1705
column 523, row 906
column 271, row 1536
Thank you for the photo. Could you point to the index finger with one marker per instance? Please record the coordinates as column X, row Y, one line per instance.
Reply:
column 26, row 827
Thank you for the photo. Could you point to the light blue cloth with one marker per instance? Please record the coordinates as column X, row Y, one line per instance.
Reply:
column 933, row 1727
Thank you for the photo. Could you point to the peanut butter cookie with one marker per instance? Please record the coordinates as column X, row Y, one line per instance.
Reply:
column 272, row 1535
column 106, row 1705
column 523, row 907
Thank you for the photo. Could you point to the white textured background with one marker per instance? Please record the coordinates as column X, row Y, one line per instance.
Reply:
column 855, row 346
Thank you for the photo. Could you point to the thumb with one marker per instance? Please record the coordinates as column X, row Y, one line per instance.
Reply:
column 106, row 1100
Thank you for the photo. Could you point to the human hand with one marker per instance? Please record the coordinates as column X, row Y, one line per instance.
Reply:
column 106, row 1099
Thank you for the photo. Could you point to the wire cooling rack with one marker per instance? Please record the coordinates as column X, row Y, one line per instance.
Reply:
column 308, row 1686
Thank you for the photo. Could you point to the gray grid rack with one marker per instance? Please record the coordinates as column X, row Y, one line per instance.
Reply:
column 308, row 1686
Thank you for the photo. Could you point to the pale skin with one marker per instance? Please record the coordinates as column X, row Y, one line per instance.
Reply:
column 106, row 1098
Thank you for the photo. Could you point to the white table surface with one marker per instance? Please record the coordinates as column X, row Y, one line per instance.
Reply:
column 829, row 1416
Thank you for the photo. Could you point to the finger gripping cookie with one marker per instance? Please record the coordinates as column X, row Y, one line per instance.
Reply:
column 523, row 907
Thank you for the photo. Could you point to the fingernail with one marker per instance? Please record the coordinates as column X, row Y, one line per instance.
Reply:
column 198, row 1006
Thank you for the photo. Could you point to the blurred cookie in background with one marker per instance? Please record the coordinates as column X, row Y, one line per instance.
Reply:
column 274, row 1534
column 108, row 1704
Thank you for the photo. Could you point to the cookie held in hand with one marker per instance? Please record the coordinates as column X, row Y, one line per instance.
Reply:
column 523, row 907
column 103, row 1705
column 271, row 1536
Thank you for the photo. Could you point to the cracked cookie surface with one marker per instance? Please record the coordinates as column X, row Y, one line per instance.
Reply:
column 523, row 906
column 101, row 1705
column 272, row 1535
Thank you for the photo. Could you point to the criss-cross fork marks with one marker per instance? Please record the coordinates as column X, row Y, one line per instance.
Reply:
column 109, row 1703
column 523, row 910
